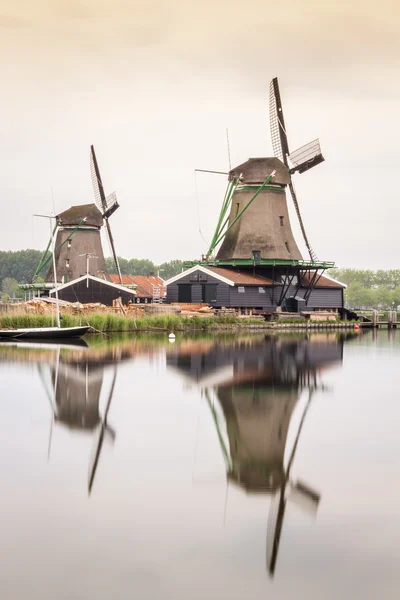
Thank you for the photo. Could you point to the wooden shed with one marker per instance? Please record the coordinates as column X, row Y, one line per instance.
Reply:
column 88, row 289
column 223, row 287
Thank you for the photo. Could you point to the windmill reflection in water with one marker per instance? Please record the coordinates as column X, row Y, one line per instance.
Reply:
column 252, row 387
column 73, row 387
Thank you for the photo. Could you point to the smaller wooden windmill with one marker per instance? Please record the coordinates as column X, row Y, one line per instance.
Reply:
column 78, row 236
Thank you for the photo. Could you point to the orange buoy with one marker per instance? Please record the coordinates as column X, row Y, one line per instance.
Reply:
column 356, row 327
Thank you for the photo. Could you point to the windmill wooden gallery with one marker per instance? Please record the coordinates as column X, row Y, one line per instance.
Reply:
column 253, row 262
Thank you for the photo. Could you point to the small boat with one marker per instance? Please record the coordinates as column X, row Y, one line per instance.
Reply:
column 47, row 333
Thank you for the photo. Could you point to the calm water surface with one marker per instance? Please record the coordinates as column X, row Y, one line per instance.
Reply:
column 211, row 468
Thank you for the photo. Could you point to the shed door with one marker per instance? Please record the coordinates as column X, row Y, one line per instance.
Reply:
column 209, row 293
column 184, row 292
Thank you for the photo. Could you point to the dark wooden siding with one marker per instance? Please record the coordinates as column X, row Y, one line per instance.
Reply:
column 251, row 297
column 326, row 298
column 229, row 296
column 172, row 293
column 96, row 292
column 222, row 289
column 320, row 297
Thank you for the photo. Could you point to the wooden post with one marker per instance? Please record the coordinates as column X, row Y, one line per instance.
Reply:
column 375, row 318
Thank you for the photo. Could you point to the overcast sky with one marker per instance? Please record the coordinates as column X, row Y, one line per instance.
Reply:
column 154, row 85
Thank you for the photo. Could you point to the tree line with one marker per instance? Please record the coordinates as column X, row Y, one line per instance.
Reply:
column 370, row 289
column 366, row 288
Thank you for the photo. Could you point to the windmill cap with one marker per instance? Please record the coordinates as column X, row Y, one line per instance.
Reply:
column 76, row 214
column 256, row 170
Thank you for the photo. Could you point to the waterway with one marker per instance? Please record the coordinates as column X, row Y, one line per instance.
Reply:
column 211, row 467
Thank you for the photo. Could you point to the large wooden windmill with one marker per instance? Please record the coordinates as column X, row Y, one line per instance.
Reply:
column 254, row 221
column 254, row 234
column 78, row 247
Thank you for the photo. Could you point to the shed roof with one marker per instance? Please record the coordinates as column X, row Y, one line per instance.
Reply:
column 145, row 283
column 325, row 281
column 76, row 214
column 239, row 278
column 256, row 170
column 103, row 281
column 229, row 276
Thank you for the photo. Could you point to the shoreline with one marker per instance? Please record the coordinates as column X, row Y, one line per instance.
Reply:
column 109, row 323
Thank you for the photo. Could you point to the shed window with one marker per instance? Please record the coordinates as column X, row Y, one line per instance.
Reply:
column 67, row 263
column 241, row 289
column 69, row 244
column 261, row 290
column 194, row 277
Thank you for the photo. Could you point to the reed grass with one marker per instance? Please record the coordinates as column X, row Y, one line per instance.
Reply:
column 108, row 322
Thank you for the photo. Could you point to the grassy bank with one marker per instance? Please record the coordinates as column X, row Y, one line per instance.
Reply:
column 106, row 322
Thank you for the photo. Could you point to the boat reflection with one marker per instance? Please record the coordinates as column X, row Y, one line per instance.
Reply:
column 252, row 387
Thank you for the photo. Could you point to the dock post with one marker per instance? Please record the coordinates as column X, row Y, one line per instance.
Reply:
column 375, row 318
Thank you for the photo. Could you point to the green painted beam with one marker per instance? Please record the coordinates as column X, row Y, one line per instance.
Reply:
column 305, row 264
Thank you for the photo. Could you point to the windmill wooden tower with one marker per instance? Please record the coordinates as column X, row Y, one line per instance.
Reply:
column 254, row 233
column 78, row 246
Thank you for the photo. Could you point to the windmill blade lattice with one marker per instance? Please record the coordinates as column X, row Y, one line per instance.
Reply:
column 110, row 243
column 303, row 158
column 96, row 183
column 311, row 252
column 106, row 206
column 277, row 123
column 306, row 157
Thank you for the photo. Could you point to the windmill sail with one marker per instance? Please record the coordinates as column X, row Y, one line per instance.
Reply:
column 104, row 430
column 304, row 158
column 111, row 245
column 96, row 182
column 106, row 205
column 275, row 522
column 277, row 123
column 311, row 252
column 302, row 494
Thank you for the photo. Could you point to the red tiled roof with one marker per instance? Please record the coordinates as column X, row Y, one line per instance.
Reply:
column 145, row 284
column 323, row 282
column 241, row 278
